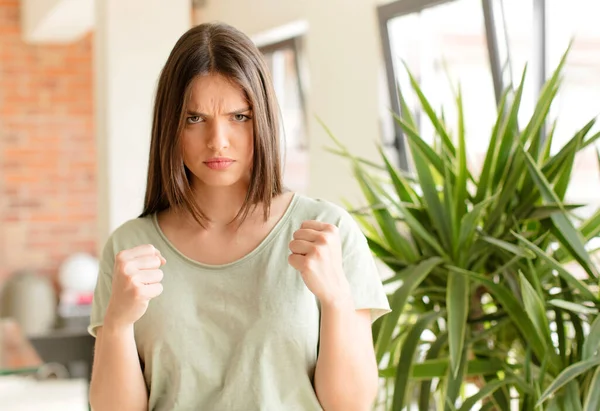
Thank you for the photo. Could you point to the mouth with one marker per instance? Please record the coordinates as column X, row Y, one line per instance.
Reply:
column 219, row 163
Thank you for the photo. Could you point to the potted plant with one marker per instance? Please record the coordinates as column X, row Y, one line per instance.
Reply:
column 486, row 309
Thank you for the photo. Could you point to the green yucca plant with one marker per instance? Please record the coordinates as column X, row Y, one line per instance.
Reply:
column 482, row 294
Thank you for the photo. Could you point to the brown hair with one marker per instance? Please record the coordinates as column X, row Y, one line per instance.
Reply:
column 211, row 48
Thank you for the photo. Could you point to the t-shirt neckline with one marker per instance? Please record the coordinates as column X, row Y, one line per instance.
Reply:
column 257, row 250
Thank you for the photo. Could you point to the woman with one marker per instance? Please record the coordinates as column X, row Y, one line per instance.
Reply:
column 229, row 293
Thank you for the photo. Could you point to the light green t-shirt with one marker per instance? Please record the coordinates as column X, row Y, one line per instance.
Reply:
column 241, row 336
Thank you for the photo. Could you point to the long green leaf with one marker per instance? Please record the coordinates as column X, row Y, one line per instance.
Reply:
column 435, row 121
column 419, row 272
column 545, row 99
column 468, row 228
column 433, row 353
column 561, row 334
column 383, row 217
column 591, row 227
column 405, row 110
column 569, row 373
column 460, row 193
column 484, row 392
column 403, row 190
column 515, row 310
column 417, row 229
column 592, row 342
column 564, row 175
column 386, row 222
column 458, row 310
column 545, row 211
column 407, row 357
column 592, row 400
column 455, row 382
column 598, row 155
column 487, row 171
column 590, row 140
column 511, row 248
column 434, row 206
column 546, row 150
column 572, row 237
column 505, row 155
column 450, row 207
column 573, row 307
column 412, row 135
column 571, row 398
column 534, row 307
column 562, row 272
column 364, row 161
column 514, row 174
column 552, row 167
column 438, row 368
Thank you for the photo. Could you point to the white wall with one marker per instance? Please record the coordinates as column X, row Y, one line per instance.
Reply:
column 133, row 39
column 344, row 67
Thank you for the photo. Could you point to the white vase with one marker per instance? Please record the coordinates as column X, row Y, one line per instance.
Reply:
column 30, row 299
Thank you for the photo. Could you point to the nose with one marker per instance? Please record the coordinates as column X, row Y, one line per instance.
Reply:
column 217, row 139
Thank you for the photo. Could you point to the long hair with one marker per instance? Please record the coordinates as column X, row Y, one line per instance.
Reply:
column 211, row 48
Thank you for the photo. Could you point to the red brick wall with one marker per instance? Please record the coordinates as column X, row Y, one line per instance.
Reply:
column 47, row 150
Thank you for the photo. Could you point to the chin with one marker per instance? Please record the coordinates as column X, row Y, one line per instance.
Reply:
column 216, row 181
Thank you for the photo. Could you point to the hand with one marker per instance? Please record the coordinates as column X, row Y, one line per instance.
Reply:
column 136, row 280
column 317, row 255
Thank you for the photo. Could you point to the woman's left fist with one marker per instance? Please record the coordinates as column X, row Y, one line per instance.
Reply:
column 317, row 255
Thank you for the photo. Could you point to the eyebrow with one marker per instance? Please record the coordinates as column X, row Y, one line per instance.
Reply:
column 240, row 111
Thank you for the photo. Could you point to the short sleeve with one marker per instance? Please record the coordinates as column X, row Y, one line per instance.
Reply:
column 361, row 270
column 102, row 290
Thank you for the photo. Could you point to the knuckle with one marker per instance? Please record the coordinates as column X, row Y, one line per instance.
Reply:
column 137, row 293
column 128, row 267
column 129, row 283
column 120, row 257
column 119, row 269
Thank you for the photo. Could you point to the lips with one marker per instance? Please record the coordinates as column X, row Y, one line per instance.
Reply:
column 219, row 163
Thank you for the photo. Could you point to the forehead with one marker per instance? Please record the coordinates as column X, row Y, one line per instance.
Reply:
column 215, row 91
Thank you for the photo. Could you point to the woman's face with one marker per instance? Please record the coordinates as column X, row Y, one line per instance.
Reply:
column 218, row 135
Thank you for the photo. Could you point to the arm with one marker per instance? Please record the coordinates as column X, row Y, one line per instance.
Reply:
column 346, row 377
column 117, row 380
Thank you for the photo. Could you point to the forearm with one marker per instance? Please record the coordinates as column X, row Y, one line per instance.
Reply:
column 346, row 375
column 117, row 380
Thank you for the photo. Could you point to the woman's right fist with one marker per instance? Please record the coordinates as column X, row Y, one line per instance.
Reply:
column 136, row 280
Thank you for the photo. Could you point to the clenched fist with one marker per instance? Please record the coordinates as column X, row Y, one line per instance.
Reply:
column 317, row 255
column 136, row 280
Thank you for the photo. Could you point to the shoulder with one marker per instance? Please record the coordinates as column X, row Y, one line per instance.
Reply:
column 131, row 233
column 308, row 208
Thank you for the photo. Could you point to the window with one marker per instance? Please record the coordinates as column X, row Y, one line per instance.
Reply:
column 485, row 49
column 283, row 59
column 578, row 100
column 445, row 42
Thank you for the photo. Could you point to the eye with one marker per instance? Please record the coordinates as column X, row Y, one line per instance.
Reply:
column 241, row 117
column 194, row 119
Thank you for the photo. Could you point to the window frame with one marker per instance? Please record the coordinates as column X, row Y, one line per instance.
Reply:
column 398, row 8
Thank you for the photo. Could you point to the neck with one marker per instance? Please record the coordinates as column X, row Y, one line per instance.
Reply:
column 220, row 204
